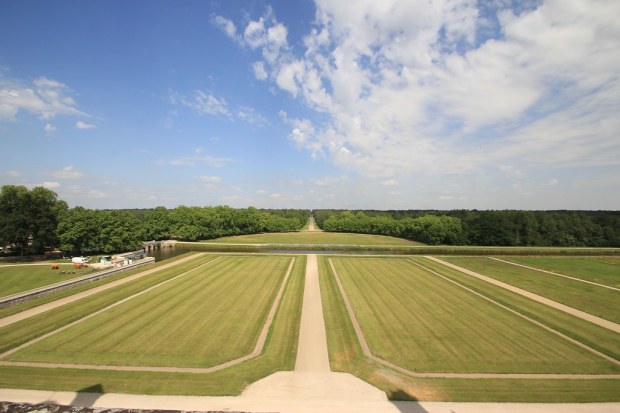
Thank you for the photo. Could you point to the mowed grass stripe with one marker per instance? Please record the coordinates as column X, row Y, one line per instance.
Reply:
column 36, row 326
column 228, row 301
column 449, row 329
column 602, row 270
column 599, row 338
column 278, row 355
column 598, row 301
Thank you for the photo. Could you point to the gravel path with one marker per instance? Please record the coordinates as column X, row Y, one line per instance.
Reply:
column 312, row 378
column 610, row 325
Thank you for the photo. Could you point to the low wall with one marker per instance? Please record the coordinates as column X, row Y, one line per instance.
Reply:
column 14, row 299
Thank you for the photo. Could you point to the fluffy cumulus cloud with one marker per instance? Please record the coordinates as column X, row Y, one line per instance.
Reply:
column 42, row 97
column 449, row 86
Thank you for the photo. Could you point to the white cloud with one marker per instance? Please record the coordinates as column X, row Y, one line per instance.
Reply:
column 83, row 125
column 259, row 70
column 77, row 191
column 227, row 26
column 202, row 102
column 249, row 115
column 68, row 172
column 49, row 129
column 209, row 179
column 261, row 192
column 390, row 182
column 12, row 174
column 51, row 185
column 208, row 160
column 43, row 97
column 451, row 87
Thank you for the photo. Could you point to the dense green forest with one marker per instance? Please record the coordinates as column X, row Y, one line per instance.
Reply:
column 473, row 227
column 32, row 221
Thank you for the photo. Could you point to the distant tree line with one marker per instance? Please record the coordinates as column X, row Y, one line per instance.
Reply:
column 473, row 227
column 32, row 221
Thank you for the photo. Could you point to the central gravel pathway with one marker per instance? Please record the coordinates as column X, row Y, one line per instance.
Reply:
column 312, row 378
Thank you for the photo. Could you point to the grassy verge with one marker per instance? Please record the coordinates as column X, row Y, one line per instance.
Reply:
column 395, row 249
column 4, row 312
column 424, row 323
column 315, row 237
column 602, row 270
column 212, row 315
column 19, row 278
column 590, row 298
column 279, row 354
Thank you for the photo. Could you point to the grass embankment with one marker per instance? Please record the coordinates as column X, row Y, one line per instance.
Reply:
column 338, row 241
column 600, row 301
column 602, row 270
column 279, row 354
column 346, row 355
column 4, row 312
column 314, row 237
column 19, row 278
column 207, row 317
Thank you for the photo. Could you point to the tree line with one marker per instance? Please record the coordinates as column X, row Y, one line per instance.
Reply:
column 485, row 228
column 32, row 221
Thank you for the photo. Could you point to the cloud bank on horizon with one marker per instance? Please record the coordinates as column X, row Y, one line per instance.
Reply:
column 410, row 104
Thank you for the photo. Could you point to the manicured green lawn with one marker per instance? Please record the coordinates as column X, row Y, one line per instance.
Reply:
column 599, row 338
column 590, row 298
column 426, row 324
column 314, row 237
column 346, row 355
column 602, row 270
column 278, row 355
column 211, row 315
column 19, row 278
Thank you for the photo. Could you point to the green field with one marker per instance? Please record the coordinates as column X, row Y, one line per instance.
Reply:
column 599, row 338
column 18, row 278
column 346, row 355
column 315, row 237
column 590, row 298
column 426, row 324
column 211, row 315
column 278, row 354
column 602, row 270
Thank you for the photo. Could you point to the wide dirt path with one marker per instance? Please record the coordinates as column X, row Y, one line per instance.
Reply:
column 610, row 325
column 66, row 300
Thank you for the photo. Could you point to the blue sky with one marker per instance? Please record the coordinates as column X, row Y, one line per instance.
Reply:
column 313, row 104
